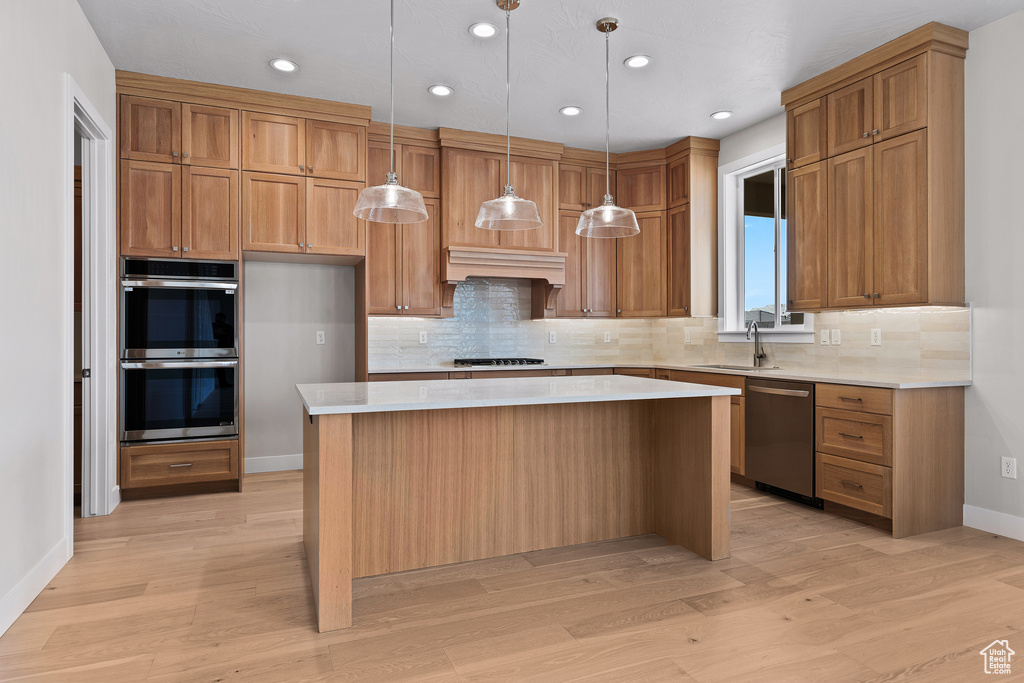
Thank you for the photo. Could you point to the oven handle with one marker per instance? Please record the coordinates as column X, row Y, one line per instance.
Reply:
column 180, row 284
column 177, row 364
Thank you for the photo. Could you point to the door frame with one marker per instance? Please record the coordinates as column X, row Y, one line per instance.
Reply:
column 100, row 493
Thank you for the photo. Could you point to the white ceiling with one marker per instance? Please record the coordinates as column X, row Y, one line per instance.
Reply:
column 708, row 55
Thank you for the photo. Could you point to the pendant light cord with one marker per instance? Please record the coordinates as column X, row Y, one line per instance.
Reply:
column 607, row 120
column 508, row 97
column 392, row 68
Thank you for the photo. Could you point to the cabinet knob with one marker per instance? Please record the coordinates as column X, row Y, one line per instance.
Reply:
column 174, row 154
column 865, row 135
column 302, row 245
column 867, row 296
column 310, row 168
column 686, row 308
column 398, row 307
column 874, row 132
column 406, row 308
column 876, row 295
column 618, row 310
column 789, row 160
column 789, row 302
column 174, row 249
column 184, row 155
column 303, row 168
column 184, row 249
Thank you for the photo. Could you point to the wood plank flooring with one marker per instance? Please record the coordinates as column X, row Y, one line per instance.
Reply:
column 215, row 588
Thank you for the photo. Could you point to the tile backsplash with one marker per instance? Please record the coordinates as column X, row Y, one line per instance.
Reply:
column 492, row 318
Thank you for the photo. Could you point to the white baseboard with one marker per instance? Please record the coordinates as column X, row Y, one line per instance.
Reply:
column 994, row 522
column 33, row 583
column 273, row 463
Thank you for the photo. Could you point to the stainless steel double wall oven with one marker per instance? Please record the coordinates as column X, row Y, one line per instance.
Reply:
column 179, row 349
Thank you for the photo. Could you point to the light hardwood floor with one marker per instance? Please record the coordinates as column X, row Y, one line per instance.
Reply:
column 215, row 588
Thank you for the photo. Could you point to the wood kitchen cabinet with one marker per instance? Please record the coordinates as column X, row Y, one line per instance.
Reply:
column 678, row 260
column 403, row 266
column 418, row 168
column 678, row 175
column 295, row 215
column 737, row 410
column 296, row 146
column 472, row 177
column 806, row 241
column 178, row 133
column 850, row 117
column 582, row 187
column 172, row 211
column 806, row 134
column 590, row 267
column 850, row 234
column 641, row 269
column 642, row 189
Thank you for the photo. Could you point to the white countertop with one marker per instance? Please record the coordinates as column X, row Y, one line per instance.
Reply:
column 884, row 379
column 379, row 397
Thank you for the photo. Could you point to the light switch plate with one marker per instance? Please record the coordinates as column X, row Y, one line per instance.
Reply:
column 836, row 338
column 423, row 337
column 551, row 337
column 607, row 337
column 876, row 336
column 824, row 337
column 689, row 338
column 321, row 337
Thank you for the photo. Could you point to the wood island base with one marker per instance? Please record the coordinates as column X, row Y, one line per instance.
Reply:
column 391, row 491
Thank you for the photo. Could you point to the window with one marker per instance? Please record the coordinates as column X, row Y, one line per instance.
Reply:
column 754, row 267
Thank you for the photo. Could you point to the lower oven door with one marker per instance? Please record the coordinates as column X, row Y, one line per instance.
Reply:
column 178, row 399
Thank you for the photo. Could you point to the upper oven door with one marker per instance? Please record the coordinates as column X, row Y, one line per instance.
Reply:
column 179, row 319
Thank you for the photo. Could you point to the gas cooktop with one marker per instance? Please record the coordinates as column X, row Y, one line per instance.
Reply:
column 469, row 362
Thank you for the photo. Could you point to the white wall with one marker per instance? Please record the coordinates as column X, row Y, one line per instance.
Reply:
column 285, row 305
column 40, row 41
column 757, row 138
column 995, row 273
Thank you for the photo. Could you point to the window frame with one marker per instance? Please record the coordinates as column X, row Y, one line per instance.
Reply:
column 731, row 324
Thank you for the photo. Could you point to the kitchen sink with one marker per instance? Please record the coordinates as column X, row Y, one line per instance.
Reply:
column 745, row 368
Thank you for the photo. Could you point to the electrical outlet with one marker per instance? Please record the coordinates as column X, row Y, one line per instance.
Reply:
column 836, row 338
column 688, row 339
column 551, row 337
column 423, row 337
column 824, row 337
column 607, row 337
column 1008, row 467
column 876, row 337
column 321, row 337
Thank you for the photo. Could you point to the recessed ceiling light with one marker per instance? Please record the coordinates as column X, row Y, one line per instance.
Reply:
column 571, row 110
column 483, row 30
column 285, row 65
column 721, row 115
column 441, row 90
column 637, row 61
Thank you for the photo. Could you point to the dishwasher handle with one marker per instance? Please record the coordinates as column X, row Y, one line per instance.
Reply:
column 779, row 392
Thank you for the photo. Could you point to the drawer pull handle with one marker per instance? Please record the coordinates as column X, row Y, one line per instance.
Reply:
column 851, row 436
column 183, row 464
column 851, row 484
column 851, row 398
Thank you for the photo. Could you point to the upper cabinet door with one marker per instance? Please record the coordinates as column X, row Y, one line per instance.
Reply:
column 209, row 213
column 335, row 150
column 209, row 136
column 850, row 117
column 536, row 180
column 421, row 170
column 572, row 189
column 470, row 178
column 678, row 261
column 806, row 230
column 901, row 220
column 273, row 144
column 599, row 282
column 378, row 163
column 641, row 269
column 642, row 189
column 901, row 98
column 273, row 213
column 569, row 303
column 679, row 182
column 150, row 197
column 806, row 139
column 150, row 129
column 598, row 187
column 850, row 235
column 331, row 228
column 421, row 263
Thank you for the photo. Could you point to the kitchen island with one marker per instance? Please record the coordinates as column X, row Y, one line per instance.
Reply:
column 403, row 475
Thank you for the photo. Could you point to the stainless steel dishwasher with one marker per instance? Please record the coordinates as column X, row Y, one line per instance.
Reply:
column 780, row 437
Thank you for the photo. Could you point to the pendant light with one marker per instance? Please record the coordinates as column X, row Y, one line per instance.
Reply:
column 390, row 202
column 607, row 220
column 508, row 212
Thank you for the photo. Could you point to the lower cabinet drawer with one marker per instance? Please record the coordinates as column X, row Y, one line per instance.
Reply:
column 856, row 484
column 861, row 436
column 164, row 464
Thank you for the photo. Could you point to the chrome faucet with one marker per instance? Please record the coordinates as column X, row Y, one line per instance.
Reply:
column 759, row 354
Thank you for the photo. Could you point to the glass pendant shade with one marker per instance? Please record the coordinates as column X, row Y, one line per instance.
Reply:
column 508, row 212
column 607, row 220
column 390, row 203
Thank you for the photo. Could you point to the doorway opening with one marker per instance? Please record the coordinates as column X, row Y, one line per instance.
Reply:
column 91, row 453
